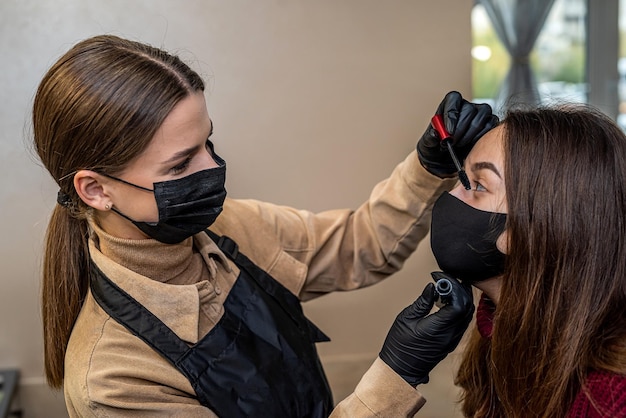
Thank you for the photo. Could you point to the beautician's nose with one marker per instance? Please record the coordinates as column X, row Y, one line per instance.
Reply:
column 210, row 159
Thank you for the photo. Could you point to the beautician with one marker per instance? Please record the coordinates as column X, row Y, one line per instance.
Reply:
column 148, row 312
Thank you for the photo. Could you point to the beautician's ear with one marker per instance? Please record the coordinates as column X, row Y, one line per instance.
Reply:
column 502, row 243
column 89, row 186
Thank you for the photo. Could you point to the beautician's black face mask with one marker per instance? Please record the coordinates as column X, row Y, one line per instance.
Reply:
column 463, row 239
column 187, row 205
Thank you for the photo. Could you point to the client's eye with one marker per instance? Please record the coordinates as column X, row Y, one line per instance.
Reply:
column 479, row 187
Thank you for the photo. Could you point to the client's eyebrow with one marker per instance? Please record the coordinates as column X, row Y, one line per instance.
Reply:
column 486, row 166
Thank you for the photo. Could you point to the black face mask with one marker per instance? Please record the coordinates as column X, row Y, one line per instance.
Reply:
column 463, row 239
column 186, row 206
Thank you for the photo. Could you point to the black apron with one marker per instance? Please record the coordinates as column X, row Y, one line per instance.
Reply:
column 259, row 360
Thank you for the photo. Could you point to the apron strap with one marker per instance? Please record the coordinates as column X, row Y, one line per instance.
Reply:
column 283, row 296
column 120, row 305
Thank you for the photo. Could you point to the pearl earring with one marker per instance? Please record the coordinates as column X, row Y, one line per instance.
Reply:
column 107, row 206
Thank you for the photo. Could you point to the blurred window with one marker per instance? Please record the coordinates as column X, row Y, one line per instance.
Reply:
column 557, row 59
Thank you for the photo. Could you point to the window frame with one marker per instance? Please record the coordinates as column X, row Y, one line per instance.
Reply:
column 602, row 55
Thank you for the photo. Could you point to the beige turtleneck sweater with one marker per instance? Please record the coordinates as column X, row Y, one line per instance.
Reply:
column 109, row 372
column 178, row 264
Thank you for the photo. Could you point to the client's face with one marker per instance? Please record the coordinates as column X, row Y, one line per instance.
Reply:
column 485, row 168
column 468, row 236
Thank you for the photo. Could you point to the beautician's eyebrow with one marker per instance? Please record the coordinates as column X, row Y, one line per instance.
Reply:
column 486, row 166
column 180, row 154
column 186, row 152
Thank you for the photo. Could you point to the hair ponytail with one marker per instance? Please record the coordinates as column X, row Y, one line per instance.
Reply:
column 65, row 284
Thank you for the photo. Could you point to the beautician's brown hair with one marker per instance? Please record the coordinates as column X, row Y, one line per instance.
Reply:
column 561, row 311
column 97, row 108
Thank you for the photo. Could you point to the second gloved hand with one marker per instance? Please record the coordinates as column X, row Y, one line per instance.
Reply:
column 418, row 341
column 466, row 122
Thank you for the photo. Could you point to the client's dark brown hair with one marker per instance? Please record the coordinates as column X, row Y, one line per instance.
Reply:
column 561, row 311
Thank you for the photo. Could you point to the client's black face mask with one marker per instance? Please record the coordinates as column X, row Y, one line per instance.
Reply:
column 463, row 239
column 186, row 206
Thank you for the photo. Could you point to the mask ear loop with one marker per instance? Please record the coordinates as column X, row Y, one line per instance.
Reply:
column 127, row 182
column 111, row 207
column 131, row 220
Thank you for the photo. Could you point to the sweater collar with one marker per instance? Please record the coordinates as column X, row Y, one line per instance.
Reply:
column 147, row 270
column 165, row 263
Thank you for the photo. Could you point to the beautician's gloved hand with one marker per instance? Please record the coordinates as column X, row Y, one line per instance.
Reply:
column 466, row 122
column 418, row 341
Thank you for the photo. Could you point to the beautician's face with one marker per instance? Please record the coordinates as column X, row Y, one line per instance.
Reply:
column 485, row 168
column 178, row 149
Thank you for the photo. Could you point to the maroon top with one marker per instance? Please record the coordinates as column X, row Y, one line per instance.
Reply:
column 604, row 394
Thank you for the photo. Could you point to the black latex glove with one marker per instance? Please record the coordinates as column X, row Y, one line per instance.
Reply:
column 466, row 122
column 418, row 341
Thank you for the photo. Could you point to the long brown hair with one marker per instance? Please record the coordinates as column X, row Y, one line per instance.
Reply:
column 97, row 108
column 561, row 309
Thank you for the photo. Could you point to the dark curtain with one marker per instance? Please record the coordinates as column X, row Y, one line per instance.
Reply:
column 518, row 24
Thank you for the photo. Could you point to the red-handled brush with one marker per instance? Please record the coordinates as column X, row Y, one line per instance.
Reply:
column 446, row 138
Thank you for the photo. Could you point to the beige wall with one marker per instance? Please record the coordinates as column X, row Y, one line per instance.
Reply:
column 313, row 102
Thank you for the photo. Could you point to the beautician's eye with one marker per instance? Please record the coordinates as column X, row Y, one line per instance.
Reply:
column 181, row 167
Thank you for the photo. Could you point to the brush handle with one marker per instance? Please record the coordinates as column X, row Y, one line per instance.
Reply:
column 437, row 122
